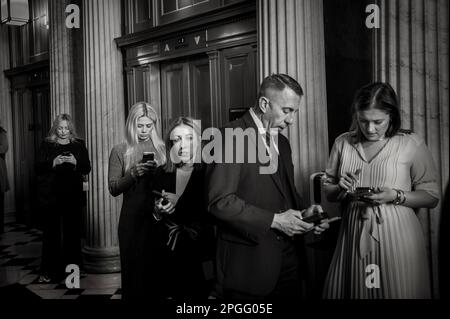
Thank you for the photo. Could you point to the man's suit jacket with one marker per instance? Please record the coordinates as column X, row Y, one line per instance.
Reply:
column 249, row 252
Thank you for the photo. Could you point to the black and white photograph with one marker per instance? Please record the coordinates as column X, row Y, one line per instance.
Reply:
column 220, row 156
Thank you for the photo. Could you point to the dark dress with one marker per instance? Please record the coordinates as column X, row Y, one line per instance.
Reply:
column 185, row 265
column 61, row 201
column 134, row 222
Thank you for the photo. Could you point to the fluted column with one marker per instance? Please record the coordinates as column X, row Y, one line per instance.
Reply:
column 291, row 41
column 412, row 55
column 62, row 91
column 104, row 114
column 6, row 116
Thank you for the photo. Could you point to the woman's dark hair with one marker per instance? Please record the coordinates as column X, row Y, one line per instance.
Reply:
column 379, row 96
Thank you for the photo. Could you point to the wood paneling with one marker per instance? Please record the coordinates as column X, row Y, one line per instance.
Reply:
column 31, row 118
column 239, row 83
column 200, row 91
column 29, row 43
column 175, row 92
column 39, row 30
column 186, row 90
column 138, row 15
column 174, row 10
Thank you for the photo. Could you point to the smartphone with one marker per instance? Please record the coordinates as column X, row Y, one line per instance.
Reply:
column 315, row 219
column 66, row 153
column 159, row 195
column 148, row 157
column 363, row 191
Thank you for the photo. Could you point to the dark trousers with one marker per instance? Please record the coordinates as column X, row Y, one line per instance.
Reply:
column 288, row 286
column 2, row 212
column 61, row 243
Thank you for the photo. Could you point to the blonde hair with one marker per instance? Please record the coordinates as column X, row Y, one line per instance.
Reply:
column 138, row 110
column 53, row 136
column 192, row 123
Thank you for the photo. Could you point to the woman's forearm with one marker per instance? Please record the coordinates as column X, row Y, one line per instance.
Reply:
column 118, row 185
column 420, row 199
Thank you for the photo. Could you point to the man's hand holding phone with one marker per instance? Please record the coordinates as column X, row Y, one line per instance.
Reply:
column 315, row 216
column 290, row 222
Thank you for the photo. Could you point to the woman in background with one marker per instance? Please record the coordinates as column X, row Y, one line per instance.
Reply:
column 131, row 176
column 4, row 184
column 62, row 162
column 185, row 238
column 381, row 249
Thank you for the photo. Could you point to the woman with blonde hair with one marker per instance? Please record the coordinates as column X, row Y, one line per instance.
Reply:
column 131, row 168
column 62, row 162
column 183, row 241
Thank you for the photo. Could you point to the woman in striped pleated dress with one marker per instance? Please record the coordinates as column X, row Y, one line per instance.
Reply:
column 381, row 250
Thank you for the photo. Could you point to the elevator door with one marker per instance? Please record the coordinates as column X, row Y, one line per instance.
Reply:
column 185, row 88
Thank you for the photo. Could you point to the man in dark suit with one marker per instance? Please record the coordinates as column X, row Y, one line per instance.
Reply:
column 258, row 214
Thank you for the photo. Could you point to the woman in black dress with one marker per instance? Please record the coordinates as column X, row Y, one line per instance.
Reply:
column 62, row 162
column 184, row 229
column 131, row 176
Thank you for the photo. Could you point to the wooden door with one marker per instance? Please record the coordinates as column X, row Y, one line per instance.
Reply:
column 31, row 116
column 239, row 87
column 175, row 92
column 185, row 87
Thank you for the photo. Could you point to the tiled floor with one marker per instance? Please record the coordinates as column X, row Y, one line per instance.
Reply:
column 20, row 250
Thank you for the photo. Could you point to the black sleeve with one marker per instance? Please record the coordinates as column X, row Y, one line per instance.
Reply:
column 83, row 162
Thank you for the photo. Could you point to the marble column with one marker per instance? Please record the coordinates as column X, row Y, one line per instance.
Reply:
column 6, row 119
column 411, row 53
column 291, row 41
column 104, row 121
column 62, row 90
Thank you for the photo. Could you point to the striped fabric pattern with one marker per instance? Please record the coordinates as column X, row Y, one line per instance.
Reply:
column 387, row 236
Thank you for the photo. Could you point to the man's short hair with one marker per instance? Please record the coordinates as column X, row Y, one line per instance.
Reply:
column 279, row 82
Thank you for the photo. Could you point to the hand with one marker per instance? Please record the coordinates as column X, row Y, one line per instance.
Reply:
column 167, row 209
column 312, row 210
column 382, row 195
column 171, row 197
column 151, row 166
column 316, row 209
column 139, row 169
column 290, row 222
column 58, row 160
column 70, row 159
column 348, row 181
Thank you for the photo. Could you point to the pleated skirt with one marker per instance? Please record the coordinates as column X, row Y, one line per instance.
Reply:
column 390, row 263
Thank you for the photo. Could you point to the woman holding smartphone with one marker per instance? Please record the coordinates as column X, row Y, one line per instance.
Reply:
column 131, row 168
column 184, row 241
column 61, row 165
column 381, row 173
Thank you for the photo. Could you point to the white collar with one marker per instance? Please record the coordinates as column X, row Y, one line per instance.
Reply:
column 262, row 131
